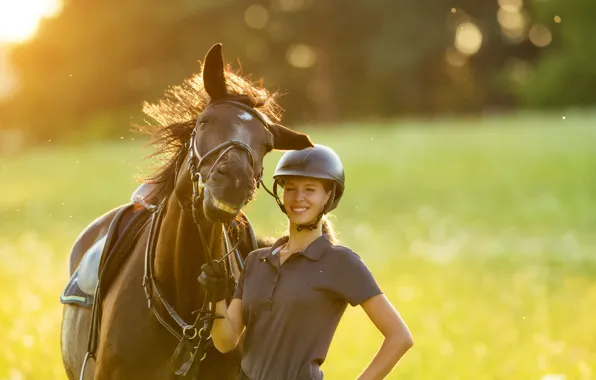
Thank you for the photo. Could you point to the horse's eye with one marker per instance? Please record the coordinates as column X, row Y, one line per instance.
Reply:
column 203, row 123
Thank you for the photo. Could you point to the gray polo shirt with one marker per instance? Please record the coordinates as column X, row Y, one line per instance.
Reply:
column 291, row 311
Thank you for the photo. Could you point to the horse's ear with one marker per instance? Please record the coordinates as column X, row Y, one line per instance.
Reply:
column 287, row 139
column 213, row 73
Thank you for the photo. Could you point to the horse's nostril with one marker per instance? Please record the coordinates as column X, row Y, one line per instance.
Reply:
column 223, row 169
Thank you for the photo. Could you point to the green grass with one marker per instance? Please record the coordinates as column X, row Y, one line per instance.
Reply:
column 481, row 232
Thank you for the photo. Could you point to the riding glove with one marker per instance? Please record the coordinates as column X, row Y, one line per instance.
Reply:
column 215, row 280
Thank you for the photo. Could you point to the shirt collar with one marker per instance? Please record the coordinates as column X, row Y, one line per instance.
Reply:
column 313, row 251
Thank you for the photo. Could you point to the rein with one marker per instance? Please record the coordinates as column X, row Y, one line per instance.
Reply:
column 190, row 336
column 192, row 339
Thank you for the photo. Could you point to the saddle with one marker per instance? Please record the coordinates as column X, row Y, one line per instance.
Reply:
column 110, row 249
column 122, row 234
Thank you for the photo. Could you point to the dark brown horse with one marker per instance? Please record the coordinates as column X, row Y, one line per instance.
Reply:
column 216, row 130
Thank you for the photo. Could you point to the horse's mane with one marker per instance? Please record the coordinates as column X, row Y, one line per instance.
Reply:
column 175, row 116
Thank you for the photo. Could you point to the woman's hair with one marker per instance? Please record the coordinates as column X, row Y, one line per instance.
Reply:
column 329, row 229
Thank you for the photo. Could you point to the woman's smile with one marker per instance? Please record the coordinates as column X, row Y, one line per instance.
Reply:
column 304, row 199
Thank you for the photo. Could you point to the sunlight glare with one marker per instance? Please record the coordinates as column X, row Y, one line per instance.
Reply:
column 19, row 19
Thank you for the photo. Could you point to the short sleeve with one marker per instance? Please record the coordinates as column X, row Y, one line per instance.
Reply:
column 354, row 282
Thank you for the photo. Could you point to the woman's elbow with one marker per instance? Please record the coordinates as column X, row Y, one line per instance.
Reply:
column 403, row 340
column 225, row 350
column 225, row 346
column 407, row 340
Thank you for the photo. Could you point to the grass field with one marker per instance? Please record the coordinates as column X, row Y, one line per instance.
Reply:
column 481, row 232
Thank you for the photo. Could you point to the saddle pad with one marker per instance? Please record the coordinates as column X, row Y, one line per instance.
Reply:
column 72, row 294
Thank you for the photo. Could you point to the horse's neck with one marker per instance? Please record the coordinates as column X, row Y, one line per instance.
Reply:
column 180, row 254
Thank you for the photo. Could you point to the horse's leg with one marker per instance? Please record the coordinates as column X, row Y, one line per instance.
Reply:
column 75, row 331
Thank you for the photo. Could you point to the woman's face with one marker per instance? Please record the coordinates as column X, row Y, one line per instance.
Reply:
column 304, row 199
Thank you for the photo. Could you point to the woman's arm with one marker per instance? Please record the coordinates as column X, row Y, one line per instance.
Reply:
column 226, row 331
column 397, row 340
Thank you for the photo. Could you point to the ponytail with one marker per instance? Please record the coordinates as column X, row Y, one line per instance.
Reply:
column 329, row 229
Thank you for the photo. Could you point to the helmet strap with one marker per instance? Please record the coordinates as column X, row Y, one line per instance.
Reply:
column 331, row 199
column 312, row 226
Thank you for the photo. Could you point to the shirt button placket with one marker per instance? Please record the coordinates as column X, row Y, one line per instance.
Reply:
column 275, row 279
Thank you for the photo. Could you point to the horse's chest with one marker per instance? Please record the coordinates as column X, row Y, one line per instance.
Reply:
column 132, row 343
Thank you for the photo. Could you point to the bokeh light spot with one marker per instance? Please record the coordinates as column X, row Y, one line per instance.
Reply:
column 301, row 56
column 510, row 20
column 455, row 58
column 540, row 35
column 513, row 24
column 256, row 16
column 468, row 38
column 511, row 5
column 291, row 5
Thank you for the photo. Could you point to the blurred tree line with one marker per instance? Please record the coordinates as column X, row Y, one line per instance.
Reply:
column 89, row 69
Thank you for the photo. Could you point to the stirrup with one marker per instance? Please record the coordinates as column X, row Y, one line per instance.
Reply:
column 87, row 357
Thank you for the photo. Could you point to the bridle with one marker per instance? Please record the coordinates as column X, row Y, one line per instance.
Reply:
column 196, row 159
column 194, row 341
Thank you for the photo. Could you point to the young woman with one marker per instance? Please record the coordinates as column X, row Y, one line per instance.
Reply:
column 291, row 297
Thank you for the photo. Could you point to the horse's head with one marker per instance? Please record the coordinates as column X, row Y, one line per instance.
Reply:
column 228, row 144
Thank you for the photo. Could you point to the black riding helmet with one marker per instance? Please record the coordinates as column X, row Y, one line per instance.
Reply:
column 318, row 162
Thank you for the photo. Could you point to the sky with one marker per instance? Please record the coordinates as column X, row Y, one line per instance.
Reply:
column 20, row 19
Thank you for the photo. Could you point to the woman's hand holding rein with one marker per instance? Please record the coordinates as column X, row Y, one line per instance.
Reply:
column 213, row 277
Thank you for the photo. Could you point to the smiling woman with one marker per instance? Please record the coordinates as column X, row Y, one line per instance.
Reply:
column 19, row 19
